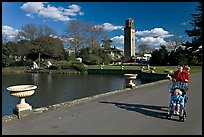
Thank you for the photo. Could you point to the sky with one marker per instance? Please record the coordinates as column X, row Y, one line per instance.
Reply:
column 156, row 23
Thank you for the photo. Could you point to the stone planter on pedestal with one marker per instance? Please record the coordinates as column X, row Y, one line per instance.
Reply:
column 129, row 79
column 22, row 91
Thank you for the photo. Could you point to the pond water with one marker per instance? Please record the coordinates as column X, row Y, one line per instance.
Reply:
column 58, row 88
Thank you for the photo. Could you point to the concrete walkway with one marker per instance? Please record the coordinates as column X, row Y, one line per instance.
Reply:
column 140, row 111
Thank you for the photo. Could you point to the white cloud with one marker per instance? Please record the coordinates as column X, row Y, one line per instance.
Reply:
column 33, row 7
column 43, row 9
column 118, row 39
column 154, row 37
column 73, row 10
column 29, row 15
column 110, row 27
column 156, row 32
column 9, row 32
column 185, row 23
column 53, row 13
column 151, row 41
column 120, row 48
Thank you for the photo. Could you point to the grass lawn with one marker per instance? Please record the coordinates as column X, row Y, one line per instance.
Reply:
column 158, row 69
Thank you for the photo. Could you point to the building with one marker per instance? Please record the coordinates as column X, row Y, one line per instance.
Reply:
column 129, row 40
column 69, row 51
column 144, row 59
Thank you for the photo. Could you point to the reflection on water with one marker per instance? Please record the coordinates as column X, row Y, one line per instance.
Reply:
column 58, row 88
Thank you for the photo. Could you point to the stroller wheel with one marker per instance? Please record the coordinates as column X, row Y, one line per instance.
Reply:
column 168, row 116
column 182, row 118
column 184, row 114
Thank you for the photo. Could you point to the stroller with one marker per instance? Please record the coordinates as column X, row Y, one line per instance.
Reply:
column 175, row 107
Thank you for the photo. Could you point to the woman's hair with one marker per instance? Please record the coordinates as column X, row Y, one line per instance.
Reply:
column 181, row 65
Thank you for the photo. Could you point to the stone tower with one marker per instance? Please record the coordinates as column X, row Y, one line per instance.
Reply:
column 129, row 40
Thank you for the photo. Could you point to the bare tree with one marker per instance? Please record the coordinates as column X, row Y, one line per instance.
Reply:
column 81, row 34
column 75, row 33
column 32, row 31
column 107, row 43
column 28, row 31
column 44, row 30
column 144, row 49
column 96, row 33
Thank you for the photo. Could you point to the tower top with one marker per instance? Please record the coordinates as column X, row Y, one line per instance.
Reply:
column 130, row 23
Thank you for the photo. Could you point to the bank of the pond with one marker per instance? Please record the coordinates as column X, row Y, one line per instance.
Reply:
column 21, row 69
column 25, row 69
column 54, row 71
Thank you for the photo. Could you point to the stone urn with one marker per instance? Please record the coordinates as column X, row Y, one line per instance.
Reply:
column 130, row 78
column 21, row 92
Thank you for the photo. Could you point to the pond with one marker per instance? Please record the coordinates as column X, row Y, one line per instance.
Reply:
column 58, row 88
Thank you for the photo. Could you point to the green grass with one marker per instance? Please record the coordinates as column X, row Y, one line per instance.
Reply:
column 159, row 69
column 196, row 69
column 114, row 67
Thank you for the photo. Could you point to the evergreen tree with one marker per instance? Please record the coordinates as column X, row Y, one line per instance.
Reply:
column 195, row 47
column 159, row 57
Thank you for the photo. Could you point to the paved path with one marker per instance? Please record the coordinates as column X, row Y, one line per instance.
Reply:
column 139, row 111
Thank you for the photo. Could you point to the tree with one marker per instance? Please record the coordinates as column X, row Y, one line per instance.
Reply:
column 195, row 47
column 37, row 37
column 180, row 56
column 22, row 48
column 172, row 58
column 94, row 34
column 81, row 34
column 44, row 30
column 106, row 43
column 76, row 34
column 5, row 55
column 32, row 32
column 47, row 47
column 159, row 57
column 28, row 32
column 196, row 32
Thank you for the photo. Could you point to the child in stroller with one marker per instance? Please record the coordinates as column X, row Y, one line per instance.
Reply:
column 177, row 100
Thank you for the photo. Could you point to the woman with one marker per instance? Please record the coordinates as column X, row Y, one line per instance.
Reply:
column 181, row 79
column 181, row 75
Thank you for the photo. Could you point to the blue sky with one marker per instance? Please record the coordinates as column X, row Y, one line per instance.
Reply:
column 155, row 22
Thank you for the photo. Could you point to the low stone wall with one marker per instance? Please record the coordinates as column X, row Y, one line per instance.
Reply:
column 146, row 77
column 150, row 77
column 113, row 72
